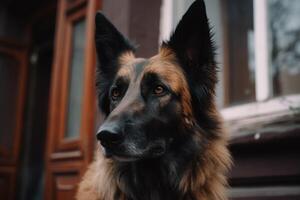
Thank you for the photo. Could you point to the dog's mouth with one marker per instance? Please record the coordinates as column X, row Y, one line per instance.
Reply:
column 121, row 157
column 152, row 151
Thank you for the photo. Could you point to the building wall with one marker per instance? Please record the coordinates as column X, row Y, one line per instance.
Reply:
column 138, row 20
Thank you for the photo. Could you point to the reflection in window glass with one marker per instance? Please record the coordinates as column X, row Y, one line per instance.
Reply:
column 76, row 80
column 9, row 74
column 240, row 49
column 284, row 27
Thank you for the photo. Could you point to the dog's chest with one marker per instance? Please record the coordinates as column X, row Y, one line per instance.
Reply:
column 147, row 183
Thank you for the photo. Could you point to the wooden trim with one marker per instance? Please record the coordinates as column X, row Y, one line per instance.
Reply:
column 60, row 143
column 66, row 143
column 71, row 168
column 66, row 155
column 60, row 85
column 288, row 131
column 251, row 117
column 54, row 105
column 65, row 88
column 75, row 5
column 89, row 101
column 265, row 192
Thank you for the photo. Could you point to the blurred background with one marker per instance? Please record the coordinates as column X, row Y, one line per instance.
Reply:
column 48, row 113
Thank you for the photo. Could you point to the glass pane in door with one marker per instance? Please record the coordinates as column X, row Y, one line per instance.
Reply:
column 76, row 80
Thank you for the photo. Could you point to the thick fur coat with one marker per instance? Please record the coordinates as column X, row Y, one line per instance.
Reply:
column 162, row 137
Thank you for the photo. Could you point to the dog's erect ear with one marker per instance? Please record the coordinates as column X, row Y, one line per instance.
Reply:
column 194, row 49
column 193, row 46
column 191, row 40
column 110, row 43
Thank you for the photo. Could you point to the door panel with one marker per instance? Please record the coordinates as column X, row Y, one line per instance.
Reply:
column 64, row 179
column 72, row 102
column 12, row 88
column 9, row 73
column 12, row 80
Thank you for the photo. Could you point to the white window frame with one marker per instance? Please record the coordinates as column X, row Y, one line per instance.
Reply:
column 265, row 104
column 166, row 20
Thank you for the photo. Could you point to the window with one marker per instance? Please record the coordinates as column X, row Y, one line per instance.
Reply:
column 258, row 50
column 240, row 69
column 284, row 29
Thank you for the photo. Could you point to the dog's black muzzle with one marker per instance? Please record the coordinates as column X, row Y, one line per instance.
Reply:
column 110, row 136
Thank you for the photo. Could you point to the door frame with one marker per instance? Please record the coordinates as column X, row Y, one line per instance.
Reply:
column 68, row 159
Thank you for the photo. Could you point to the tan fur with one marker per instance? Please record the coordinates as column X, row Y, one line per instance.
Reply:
column 126, row 58
column 99, row 182
column 208, row 181
column 126, row 64
column 166, row 65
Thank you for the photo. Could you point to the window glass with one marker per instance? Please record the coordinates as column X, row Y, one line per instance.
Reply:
column 284, row 31
column 240, row 50
column 76, row 80
column 9, row 74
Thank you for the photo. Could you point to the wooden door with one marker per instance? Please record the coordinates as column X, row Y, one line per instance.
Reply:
column 71, row 124
column 12, row 91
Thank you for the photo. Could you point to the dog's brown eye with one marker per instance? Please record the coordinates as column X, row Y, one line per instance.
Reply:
column 158, row 90
column 115, row 93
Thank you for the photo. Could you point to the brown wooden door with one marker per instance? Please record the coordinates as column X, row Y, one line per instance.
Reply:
column 71, row 124
column 12, row 90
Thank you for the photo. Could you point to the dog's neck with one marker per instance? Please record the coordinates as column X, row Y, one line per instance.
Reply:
column 193, row 173
column 145, row 180
column 159, row 178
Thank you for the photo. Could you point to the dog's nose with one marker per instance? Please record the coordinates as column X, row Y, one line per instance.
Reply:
column 109, row 138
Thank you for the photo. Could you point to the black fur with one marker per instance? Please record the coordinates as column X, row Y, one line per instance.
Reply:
column 110, row 43
column 194, row 47
column 174, row 148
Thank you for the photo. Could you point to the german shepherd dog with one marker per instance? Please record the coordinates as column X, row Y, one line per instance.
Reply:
column 162, row 138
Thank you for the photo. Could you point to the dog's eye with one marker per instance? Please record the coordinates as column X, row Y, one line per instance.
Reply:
column 158, row 90
column 115, row 93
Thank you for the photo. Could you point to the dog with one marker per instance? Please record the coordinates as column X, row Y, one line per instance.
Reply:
column 162, row 137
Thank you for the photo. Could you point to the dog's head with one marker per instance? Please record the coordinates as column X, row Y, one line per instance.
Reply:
column 150, row 103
